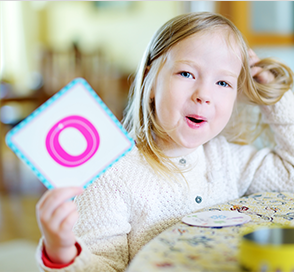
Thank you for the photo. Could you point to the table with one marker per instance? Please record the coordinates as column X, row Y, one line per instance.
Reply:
column 188, row 248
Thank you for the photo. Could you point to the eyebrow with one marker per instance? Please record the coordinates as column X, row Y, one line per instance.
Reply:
column 229, row 73
column 223, row 71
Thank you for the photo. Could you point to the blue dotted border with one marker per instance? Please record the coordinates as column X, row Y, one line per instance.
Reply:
column 33, row 115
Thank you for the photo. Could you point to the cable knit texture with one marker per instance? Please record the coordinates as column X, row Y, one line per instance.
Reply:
column 129, row 205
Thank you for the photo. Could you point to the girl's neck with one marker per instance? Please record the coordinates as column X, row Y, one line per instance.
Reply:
column 171, row 149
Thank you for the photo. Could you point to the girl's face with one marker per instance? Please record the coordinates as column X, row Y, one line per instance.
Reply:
column 195, row 91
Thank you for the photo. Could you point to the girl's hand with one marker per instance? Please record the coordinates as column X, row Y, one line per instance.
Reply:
column 56, row 216
column 264, row 77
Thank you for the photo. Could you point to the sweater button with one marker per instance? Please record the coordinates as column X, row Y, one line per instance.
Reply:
column 183, row 161
column 198, row 199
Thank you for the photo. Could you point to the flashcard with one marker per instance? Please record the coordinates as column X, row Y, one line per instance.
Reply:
column 71, row 139
column 216, row 219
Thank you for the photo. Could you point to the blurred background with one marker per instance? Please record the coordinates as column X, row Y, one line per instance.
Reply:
column 44, row 45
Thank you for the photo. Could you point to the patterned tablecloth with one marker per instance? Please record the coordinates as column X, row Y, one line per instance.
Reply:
column 189, row 248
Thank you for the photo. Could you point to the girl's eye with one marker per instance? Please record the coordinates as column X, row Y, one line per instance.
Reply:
column 186, row 74
column 222, row 84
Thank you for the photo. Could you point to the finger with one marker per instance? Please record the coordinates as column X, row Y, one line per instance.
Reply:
column 253, row 58
column 263, row 77
column 42, row 200
column 255, row 70
column 69, row 221
column 58, row 197
column 48, row 193
column 252, row 54
column 40, row 204
column 61, row 213
column 55, row 198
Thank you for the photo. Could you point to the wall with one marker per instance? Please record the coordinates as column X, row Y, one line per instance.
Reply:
column 284, row 54
column 122, row 33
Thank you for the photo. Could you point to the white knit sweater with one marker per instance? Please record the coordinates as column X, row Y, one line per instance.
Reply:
column 129, row 205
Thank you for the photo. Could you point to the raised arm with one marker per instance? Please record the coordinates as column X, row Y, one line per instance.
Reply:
column 100, row 232
column 276, row 171
column 270, row 169
column 56, row 216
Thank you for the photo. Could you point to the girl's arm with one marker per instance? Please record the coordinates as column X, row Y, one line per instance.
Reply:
column 101, row 229
column 56, row 216
column 263, row 77
column 269, row 170
column 276, row 170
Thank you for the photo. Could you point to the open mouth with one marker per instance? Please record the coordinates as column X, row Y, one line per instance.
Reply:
column 196, row 120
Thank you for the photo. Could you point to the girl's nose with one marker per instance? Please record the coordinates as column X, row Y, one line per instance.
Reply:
column 201, row 96
column 202, row 100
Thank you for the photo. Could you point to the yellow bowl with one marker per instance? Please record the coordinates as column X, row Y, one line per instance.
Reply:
column 268, row 249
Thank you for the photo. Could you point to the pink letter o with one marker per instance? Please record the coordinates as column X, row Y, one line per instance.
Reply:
column 59, row 154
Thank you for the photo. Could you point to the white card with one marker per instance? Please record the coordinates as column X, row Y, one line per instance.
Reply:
column 71, row 139
column 216, row 219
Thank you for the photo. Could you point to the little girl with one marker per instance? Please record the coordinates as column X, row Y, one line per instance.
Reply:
column 190, row 151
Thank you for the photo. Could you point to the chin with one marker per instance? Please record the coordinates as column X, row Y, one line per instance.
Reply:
column 193, row 142
column 191, row 145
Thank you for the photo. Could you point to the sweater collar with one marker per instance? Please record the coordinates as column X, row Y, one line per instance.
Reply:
column 189, row 159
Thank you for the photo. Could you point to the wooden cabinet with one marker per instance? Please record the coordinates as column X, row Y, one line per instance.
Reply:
column 246, row 14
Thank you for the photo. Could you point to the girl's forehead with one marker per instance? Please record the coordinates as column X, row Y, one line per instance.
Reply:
column 215, row 50
column 220, row 40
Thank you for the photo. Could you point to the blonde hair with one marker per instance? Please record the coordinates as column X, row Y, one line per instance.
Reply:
column 139, row 117
column 245, row 125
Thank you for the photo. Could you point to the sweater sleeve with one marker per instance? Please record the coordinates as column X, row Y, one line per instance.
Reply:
column 47, row 262
column 102, row 228
column 266, row 169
